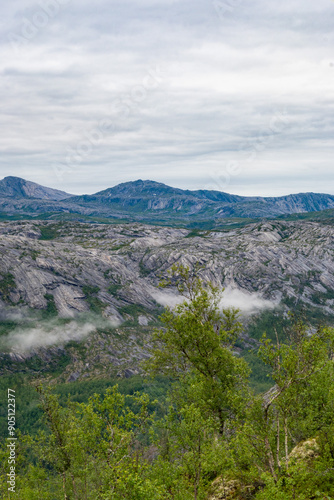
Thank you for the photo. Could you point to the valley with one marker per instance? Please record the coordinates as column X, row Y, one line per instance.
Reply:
column 89, row 294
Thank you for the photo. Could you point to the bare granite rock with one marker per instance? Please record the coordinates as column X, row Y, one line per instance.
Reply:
column 121, row 264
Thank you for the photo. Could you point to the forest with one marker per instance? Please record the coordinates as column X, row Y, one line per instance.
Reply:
column 201, row 431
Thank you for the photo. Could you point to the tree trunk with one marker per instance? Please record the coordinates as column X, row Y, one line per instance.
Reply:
column 286, row 443
column 278, row 444
column 64, row 485
column 74, row 488
column 270, row 458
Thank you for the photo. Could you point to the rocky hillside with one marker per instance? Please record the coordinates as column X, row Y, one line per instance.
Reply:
column 64, row 282
column 276, row 260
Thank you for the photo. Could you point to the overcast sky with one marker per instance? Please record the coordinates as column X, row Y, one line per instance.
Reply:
column 228, row 95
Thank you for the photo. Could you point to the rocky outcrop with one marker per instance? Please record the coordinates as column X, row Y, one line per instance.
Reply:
column 233, row 489
column 305, row 451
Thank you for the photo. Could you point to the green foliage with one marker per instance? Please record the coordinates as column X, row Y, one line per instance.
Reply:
column 99, row 443
column 90, row 451
column 75, row 392
column 311, row 315
column 49, row 232
column 34, row 254
column 90, row 290
column 6, row 326
column 197, row 233
column 270, row 322
column 133, row 310
column 260, row 379
column 29, row 414
column 96, row 305
column 113, row 289
column 297, row 408
column 143, row 271
column 198, row 339
column 51, row 308
column 7, row 285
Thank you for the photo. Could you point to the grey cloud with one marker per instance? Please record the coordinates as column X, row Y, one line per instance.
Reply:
column 224, row 78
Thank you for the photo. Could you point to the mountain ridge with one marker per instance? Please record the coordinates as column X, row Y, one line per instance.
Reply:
column 154, row 202
column 16, row 187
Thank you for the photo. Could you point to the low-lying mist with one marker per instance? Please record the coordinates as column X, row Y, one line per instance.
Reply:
column 166, row 298
column 30, row 332
column 247, row 302
column 29, row 335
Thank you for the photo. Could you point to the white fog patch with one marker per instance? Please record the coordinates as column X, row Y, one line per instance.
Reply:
column 47, row 334
column 248, row 303
column 33, row 338
column 14, row 314
column 167, row 298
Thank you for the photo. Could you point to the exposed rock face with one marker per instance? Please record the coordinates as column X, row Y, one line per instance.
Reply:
column 123, row 262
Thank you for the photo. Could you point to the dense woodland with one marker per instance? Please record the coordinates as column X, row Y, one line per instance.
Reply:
column 196, row 428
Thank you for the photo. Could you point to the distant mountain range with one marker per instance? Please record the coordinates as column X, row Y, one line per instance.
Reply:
column 151, row 202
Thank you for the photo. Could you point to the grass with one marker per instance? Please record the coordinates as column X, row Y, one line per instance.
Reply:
column 118, row 247
column 7, row 326
column 90, row 290
column 35, row 254
column 132, row 310
column 143, row 271
column 194, row 233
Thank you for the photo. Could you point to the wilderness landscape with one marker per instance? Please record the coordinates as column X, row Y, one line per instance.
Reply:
column 166, row 250
column 83, row 311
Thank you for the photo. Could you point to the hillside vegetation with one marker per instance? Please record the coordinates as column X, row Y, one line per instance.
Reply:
column 212, row 437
